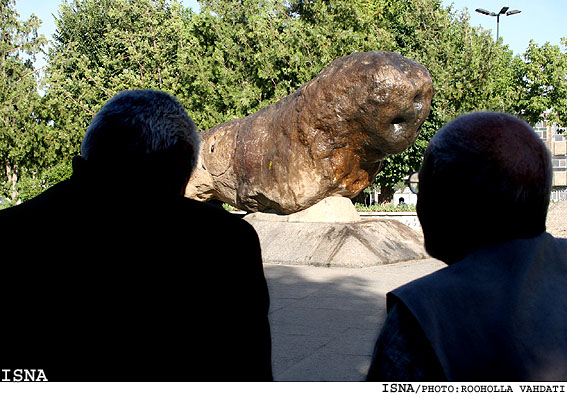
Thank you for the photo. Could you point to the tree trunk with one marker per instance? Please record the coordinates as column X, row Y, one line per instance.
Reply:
column 12, row 176
column 386, row 194
column 360, row 198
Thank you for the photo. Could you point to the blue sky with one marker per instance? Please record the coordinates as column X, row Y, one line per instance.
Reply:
column 541, row 20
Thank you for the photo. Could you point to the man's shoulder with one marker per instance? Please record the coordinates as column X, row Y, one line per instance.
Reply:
column 206, row 215
column 206, row 207
column 478, row 267
column 44, row 203
column 489, row 265
column 203, row 209
column 560, row 243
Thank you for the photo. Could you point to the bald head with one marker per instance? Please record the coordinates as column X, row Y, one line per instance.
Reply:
column 498, row 173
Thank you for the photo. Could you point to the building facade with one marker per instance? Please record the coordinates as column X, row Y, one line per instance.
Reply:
column 556, row 142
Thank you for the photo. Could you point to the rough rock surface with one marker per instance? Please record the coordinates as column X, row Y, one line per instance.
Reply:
column 326, row 139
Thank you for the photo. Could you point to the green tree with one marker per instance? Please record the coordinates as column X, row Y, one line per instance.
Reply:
column 235, row 57
column 22, row 132
column 103, row 47
column 248, row 54
column 245, row 55
column 470, row 72
column 253, row 52
column 541, row 78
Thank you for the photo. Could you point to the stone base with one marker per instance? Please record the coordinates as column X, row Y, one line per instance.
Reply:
column 355, row 244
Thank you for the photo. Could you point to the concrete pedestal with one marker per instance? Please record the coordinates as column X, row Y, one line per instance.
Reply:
column 330, row 234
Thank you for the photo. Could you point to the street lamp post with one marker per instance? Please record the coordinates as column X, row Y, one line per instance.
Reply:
column 503, row 11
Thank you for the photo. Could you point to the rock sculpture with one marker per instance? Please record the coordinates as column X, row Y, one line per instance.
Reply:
column 326, row 139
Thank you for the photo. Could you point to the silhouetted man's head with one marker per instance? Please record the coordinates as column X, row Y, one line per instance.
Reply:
column 499, row 172
column 145, row 139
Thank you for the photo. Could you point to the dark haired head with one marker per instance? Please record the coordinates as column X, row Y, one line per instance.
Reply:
column 145, row 139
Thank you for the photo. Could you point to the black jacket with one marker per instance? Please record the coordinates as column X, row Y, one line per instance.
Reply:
column 498, row 315
column 99, row 284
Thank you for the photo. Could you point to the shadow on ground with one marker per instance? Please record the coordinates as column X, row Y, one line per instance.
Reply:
column 325, row 321
column 322, row 329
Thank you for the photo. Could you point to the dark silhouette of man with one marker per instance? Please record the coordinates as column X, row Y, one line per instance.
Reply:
column 112, row 275
column 498, row 312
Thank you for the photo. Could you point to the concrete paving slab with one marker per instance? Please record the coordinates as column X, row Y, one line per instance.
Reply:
column 290, row 349
column 334, row 368
column 325, row 321
column 354, row 341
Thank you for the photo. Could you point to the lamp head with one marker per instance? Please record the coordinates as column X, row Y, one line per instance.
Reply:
column 482, row 11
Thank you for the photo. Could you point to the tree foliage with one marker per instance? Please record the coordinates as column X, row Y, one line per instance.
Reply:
column 248, row 54
column 469, row 71
column 541, row 83
column 251, row 53
column 234, row 57
column 104, row 47
column 22, row 135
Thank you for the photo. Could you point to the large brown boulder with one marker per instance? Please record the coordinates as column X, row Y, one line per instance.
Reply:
column 326, row 139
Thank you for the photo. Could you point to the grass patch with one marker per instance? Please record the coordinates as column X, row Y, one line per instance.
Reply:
column 383, row 207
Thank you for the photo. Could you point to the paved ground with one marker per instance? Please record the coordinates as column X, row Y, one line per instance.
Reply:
column 325, row 320
column 557, row 219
